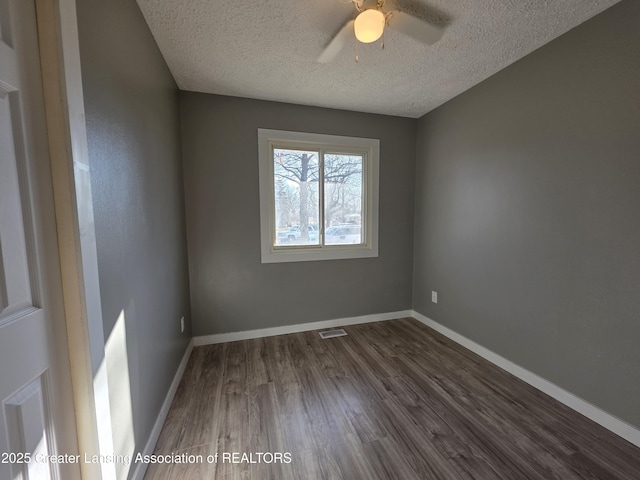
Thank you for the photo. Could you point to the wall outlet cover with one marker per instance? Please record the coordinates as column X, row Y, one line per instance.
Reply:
column 434, row 297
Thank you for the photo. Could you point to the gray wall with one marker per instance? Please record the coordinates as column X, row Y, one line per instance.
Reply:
column 527, row 212
column 230, row 289
column 131, row 104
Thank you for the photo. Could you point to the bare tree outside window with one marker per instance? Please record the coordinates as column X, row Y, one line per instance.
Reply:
column 343, row 197
column 296, row 176
column 296, row 182
column 318, row 196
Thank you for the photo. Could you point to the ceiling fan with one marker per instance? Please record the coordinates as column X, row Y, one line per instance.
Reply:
column 369, row 25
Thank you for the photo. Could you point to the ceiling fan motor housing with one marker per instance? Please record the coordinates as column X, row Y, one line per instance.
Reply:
column 362, row 5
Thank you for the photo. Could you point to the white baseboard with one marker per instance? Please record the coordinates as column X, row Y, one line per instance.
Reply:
column 141, row 468
column 608, row 421
column 301, row 327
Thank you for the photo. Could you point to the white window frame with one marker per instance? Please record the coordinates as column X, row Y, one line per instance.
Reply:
column 300, row 253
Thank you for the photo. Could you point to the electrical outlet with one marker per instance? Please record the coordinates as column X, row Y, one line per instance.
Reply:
column 182, row 324
column 434, row 297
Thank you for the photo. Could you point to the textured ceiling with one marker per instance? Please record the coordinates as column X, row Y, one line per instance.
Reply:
column 267, row 49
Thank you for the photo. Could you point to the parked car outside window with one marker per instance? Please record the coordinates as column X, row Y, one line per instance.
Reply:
column 294, row 235
column 343, row 235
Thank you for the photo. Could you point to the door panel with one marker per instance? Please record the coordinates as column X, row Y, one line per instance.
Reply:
column 15, row 264
column 26, row 421
column 31, row 390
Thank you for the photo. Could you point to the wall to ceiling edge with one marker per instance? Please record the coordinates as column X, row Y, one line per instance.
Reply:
column 231, row 290
column 132, row 121
column 525, row 194
column 526, row 212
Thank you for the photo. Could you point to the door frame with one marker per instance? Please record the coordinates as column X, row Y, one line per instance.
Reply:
column 70, row 171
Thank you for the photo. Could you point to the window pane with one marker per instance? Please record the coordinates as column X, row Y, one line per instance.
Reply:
column 296, row 174
column 343, row 199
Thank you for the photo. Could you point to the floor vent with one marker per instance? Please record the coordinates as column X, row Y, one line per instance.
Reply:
column 333, row 333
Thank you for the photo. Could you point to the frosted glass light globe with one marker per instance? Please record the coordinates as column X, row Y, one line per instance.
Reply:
column 369, row 25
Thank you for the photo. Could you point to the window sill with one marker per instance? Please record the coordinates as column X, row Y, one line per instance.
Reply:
column 313, row 254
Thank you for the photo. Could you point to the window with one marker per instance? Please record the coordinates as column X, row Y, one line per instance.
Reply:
column 318, row 196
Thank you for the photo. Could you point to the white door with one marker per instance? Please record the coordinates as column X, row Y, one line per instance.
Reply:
column 36, row 417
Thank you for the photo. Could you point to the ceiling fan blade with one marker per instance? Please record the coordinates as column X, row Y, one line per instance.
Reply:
column 415, row 28
column 332, row 50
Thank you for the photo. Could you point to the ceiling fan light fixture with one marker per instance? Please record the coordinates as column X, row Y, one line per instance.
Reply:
column 369, row 25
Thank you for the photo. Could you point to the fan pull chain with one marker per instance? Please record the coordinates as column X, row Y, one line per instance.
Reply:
column 386, row 23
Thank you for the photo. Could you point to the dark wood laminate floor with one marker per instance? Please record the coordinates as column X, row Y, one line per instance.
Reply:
column 393, row 400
